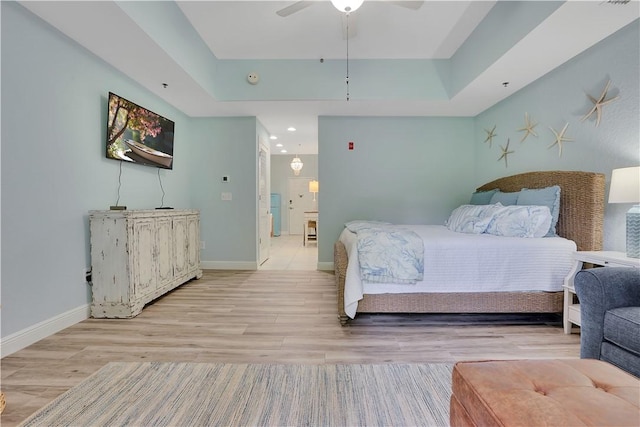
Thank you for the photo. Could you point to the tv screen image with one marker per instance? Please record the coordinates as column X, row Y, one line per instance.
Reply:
column 138, row 135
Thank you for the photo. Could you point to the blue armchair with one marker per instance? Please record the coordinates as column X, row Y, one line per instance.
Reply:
column 610, row 316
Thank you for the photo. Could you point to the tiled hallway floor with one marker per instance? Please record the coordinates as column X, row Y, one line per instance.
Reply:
column 288, row 253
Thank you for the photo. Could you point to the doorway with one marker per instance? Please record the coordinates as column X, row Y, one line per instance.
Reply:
column 300, row 200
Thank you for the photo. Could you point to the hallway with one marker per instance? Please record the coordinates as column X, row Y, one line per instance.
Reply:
column 288, row 253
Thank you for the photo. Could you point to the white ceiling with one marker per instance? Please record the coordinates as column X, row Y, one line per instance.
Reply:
column 246, row 30
column 252, row 30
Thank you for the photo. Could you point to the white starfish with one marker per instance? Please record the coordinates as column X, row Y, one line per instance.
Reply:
column 598, row 104
column 490, row 135
column 505, row 153
column 528, row 127
column 560, row 138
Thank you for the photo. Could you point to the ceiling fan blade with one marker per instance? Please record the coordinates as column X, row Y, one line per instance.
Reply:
column 293, row 8
column 414, row 5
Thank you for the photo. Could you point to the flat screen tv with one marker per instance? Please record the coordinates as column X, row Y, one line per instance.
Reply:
column 138, row 135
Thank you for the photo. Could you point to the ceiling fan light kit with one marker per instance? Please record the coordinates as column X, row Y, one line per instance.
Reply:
column 347, row 6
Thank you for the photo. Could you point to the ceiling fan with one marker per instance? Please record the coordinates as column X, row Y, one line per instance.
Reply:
column 299, row 5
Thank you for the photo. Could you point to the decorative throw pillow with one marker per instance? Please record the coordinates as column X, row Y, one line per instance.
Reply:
column 471, row 218
column 549, row 197
column 520, row 221
column 506, row 199
column 482, row 197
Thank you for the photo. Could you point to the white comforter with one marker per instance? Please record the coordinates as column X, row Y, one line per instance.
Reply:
column 459, row 262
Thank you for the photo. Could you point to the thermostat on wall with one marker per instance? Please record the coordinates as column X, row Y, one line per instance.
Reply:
column 253, row 78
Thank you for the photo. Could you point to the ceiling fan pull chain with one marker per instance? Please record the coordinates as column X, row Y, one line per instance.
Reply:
column 347, row 79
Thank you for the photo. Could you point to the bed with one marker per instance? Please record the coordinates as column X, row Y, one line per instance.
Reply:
column 580, row 220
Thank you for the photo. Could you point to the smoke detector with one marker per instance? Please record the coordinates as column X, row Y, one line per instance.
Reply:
column 253, row 78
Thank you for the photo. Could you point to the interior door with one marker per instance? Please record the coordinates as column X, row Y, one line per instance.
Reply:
column 300, row 201
column 264, row 203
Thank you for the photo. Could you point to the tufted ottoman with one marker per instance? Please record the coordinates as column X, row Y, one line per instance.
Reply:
column 575, row 392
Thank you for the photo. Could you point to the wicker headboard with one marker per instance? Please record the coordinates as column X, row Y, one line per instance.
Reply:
column 581, row 202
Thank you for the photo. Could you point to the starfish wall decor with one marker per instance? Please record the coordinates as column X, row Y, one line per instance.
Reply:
column 490, row 135
column 528, row 127
column 598, row 104
column 560, row 138
column 505, row 153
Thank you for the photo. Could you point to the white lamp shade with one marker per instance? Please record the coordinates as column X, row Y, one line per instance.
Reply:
column 347, row 6
column 625, row 185
column 314, row 186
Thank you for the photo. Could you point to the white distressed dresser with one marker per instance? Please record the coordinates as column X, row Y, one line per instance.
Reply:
column 139, row 255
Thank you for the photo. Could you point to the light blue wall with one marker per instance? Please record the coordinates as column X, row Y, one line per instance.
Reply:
column 411, row 170
column 54, row 170
column 225, row 147
column 560, row 97
column 369, row 79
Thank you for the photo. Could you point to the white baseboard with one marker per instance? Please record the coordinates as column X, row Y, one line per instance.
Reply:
column 228, row 265
column 26, row 337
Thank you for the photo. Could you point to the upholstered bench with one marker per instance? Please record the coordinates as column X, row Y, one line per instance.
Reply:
column 575, row 392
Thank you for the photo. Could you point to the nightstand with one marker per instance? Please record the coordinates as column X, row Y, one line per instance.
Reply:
column 571, row 313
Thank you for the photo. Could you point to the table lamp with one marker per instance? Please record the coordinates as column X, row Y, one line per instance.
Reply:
column 625, row 188
column 313, row 188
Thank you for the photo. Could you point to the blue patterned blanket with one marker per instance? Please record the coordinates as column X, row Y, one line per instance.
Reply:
column 388, row 253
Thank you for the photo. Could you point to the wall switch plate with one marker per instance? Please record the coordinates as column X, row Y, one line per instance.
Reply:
column 226, row 196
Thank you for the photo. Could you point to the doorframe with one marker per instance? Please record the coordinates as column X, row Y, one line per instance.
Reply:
column 262, row 146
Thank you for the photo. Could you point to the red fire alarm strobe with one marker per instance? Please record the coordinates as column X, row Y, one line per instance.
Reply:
column 350, row 145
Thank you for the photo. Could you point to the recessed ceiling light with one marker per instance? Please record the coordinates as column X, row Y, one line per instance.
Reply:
column 278, row 145
column 291, row 129
column 283, row 151
column 273, row 137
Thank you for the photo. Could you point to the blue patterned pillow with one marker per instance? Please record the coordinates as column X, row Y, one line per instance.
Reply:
column 549, row 197
column 520, row 221
column 472, row 219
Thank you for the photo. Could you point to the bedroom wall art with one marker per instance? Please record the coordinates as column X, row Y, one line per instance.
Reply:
column 598, row 104
column 490, row 135
column 560, row 138
column 529, row 126
column 505, row 153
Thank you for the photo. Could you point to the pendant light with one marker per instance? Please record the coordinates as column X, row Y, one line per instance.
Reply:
column 296, row 165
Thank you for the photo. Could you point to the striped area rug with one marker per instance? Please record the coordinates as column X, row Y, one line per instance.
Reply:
column 205, row 394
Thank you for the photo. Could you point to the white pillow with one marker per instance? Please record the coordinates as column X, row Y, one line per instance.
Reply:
column 471, row 218
column 520, row 221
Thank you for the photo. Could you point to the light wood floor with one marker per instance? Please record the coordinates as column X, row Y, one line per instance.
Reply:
column 263, row 317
